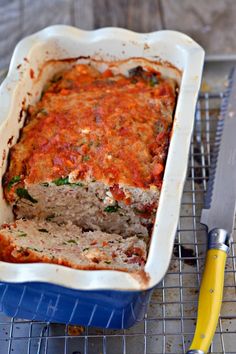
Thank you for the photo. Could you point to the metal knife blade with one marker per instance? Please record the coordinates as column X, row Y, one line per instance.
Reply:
column 222, row 181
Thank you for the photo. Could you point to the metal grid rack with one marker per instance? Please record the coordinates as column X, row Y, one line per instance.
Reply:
column 169, row 324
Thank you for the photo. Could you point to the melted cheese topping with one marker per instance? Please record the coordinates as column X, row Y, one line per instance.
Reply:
column 99, row 126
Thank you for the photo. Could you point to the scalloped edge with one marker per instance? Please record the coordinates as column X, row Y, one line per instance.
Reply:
column 182, row 52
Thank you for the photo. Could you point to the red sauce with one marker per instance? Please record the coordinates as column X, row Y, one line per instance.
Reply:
column 31, row 73
column 98, row 125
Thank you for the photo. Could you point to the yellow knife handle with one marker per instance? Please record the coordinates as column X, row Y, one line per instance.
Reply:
column 211, row 292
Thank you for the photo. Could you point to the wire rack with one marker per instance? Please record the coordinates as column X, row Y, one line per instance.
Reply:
column 169, row 324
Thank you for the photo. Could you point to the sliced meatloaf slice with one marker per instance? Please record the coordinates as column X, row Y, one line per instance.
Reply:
column 27, row 241
column 91, row 206
column 93, row 151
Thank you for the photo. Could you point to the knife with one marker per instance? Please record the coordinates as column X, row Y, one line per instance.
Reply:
column 218, row 216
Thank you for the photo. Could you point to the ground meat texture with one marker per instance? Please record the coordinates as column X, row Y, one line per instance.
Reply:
column 28, row 241
column 93, row 151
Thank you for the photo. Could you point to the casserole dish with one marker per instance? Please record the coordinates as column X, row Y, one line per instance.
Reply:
column 110, row 299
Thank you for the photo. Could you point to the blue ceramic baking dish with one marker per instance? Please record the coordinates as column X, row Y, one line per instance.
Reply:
column 52, row 303
column 109, row 299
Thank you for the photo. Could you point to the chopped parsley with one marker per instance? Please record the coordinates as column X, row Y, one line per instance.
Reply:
column 85, row 249
column 86, row 158
column 24, row 194
column 43, row 230
column 153, row 80
column 65, row 181
column 72, row 241
column 43, row 111
column 83, row 141
column 34, row 249
column 159, row 127
column 22, row 234
column 111, row 208
column 61, row 181
column 77, row 184
column 107, row 262
column 13, row 181
column 50, row 217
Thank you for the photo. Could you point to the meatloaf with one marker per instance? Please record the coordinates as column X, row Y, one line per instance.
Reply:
column 27, row 241
column 85, row 176
column 93, row 150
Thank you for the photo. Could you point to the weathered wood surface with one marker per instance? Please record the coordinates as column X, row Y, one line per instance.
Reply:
column 210, row 22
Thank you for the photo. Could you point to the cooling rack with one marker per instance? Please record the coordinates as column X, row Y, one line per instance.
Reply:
column 169, row 323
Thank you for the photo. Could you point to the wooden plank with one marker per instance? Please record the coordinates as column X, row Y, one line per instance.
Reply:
column 110, row 13
column 10, row 30
column 211, row 23
column 84, row 14
column 144, row 16
column 137, row 15
column 38, row 14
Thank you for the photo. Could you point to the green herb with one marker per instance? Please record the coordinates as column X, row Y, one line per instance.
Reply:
column 61, row 181
column 159, row 127
column 24, row 194
column 64, row 181
column 45, row 184
column 50, row 217
column 79, row 184
column 72, row 241
column 82, row 142
column 107, row 262
column 86, row 158
column 14, row 180
column 43, row 111
column 22, row 234
column 111, row 208
column 153, row 80
column 34, row 249
column 43, row 230
column 85, row 249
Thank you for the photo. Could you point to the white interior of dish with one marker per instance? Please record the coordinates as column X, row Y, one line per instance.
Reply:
column 23, row 86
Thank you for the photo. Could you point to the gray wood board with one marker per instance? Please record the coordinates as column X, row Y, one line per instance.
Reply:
column 211, row 23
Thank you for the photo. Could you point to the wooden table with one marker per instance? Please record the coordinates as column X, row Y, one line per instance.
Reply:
column 212, row 22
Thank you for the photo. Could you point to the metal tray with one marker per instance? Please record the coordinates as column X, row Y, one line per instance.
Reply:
column 169, row 323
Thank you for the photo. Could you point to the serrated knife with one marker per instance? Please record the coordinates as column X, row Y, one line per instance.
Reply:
column 218, row 216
